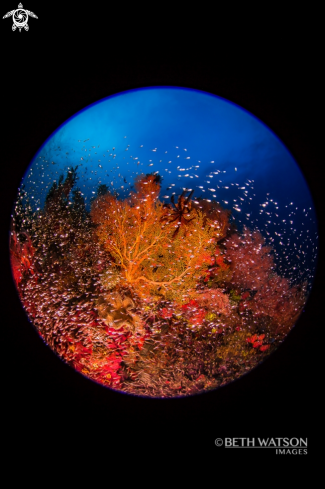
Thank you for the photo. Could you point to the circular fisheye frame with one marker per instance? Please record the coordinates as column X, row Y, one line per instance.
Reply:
column 163, row 242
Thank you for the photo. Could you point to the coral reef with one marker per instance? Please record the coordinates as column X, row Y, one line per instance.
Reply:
column 148, row 298
column 110, row 278
column 140, row 237
column 253, row 270
column 251, row 260
column 118, row 312
column 215, row 300
column 182, row 209
column 22, row 257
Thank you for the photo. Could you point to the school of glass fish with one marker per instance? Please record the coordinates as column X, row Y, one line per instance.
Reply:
column 153, row 279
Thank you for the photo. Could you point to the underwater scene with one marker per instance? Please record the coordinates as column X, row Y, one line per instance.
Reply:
column 163, row 242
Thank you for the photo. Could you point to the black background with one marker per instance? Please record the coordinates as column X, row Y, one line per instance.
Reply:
column 68, row 60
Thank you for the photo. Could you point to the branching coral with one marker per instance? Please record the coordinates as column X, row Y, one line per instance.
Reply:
column 142, row 242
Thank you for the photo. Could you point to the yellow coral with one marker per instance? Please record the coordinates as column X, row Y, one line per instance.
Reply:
column 210, row 316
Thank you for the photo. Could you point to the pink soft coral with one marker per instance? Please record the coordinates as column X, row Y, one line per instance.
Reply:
column 251, row 261
column 277, row 299
column 253, row 268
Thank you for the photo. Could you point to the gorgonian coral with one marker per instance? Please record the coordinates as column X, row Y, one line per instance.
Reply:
column 139, row 236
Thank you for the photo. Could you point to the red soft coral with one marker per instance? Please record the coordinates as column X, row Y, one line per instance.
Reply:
column 22, row 257
column 166, row 313
column 193, row 312
column 257, row 342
